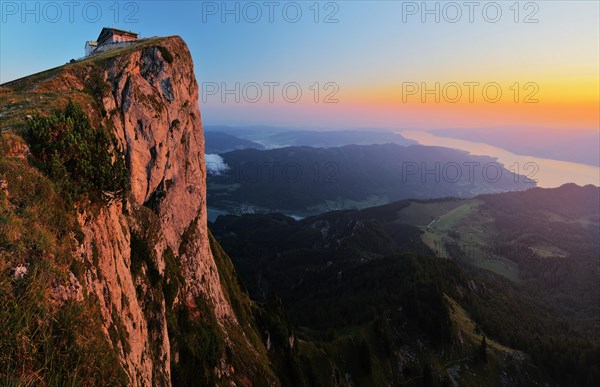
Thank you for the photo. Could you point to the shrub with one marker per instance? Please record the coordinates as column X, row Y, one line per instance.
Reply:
column 199, row 343
column 77, row 157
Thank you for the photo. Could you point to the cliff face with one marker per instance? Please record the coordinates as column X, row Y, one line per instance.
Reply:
column 157, row 120
column 148, row 258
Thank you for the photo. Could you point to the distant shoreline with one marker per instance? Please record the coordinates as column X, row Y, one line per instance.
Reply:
column 577, row 146
column 550, row 173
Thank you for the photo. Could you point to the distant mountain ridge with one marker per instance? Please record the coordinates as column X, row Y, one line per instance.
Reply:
column 273, row 137
column 330, row 139
column 219, row 142
column 308, row 180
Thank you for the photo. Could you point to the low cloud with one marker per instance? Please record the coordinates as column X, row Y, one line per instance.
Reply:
column 215, row 165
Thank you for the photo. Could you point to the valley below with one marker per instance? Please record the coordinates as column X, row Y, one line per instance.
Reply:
column 518, row 287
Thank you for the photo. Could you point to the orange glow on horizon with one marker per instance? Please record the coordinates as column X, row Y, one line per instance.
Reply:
column 552, row 104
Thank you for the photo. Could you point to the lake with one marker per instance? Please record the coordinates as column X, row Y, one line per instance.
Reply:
column 548, row 173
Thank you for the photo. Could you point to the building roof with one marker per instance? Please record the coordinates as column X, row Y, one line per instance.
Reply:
column 107, row 32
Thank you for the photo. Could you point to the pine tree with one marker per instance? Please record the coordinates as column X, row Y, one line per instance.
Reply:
column 483, row 350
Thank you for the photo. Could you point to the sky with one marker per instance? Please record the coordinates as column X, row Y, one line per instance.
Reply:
column 345, row 64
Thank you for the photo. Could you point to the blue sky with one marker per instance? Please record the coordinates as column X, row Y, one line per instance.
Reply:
column 368, row 51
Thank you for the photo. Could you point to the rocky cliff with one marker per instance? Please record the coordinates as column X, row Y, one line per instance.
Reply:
column 147, row 260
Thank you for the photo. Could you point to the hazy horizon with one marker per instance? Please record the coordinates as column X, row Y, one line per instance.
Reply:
column 352, row 64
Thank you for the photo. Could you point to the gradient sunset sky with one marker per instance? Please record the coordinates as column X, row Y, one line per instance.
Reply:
column 369, row 56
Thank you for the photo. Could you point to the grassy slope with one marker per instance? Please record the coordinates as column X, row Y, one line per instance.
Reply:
column 40, row 342
column 38, row 93
column 459, row 222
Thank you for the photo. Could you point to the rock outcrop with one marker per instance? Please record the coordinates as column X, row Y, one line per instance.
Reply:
column 149, row 255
